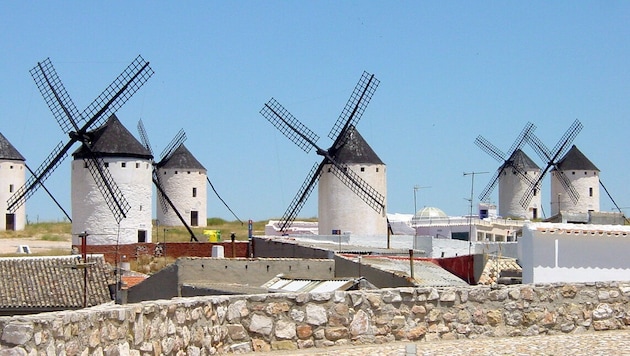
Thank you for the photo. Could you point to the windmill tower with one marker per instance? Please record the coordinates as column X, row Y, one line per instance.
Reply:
column 552, row 158
column 129, row 164
column 77, row 126
column 583, row 176
column 180, row 181
column 345, row 137
column 514, row 177
column 12, row 176
column 339, row 206
column 184, row 181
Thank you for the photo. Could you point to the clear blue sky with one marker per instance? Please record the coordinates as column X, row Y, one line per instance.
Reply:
column 449, row 71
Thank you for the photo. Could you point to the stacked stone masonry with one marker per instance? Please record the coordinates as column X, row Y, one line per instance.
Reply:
column 217, row 325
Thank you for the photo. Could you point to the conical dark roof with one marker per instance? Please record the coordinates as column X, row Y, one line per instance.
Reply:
column 114, row 140
column 181, row 159
column 7, row 151
column 576, row 160
column 521, row 161
column 356, row 150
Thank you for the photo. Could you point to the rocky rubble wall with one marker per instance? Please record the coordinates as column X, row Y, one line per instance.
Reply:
column 214, row 325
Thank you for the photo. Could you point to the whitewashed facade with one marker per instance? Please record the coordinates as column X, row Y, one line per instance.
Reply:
column 342, row 210
column 515, row 180
column 584, row 177
column 130, row 166
column 12, row 177
column 184, row 181
column 550, row 253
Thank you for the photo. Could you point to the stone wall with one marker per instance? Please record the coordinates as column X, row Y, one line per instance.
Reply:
column 212, row 325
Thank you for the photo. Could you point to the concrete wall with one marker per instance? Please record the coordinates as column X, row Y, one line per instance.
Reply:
column 347, row 267
column 574, row 253
column 168, row 282
column 217, row 325
column 273, row 248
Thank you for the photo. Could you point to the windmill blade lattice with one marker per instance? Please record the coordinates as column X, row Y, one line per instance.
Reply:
column 56, row 96
column 552, row 157
column 500, row 156
column 306, row 139
column 353, row 111
column 29, row 188
column 291, row 127
column 301, row 197
column 108, row 102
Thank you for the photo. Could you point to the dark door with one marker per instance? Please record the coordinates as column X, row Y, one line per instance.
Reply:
column 142, row 235
column 534, row 213
column 10, row 222
column 194, row 218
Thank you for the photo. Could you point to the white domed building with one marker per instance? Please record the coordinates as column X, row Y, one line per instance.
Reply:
column 513, row 186
column 12, row 176
column 583, row 175
column 184, row 180
column 130, row 166
column 340, row 210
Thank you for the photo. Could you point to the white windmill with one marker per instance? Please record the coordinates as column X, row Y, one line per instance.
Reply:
column 514, row 177
column 109, row 225
column 360, row 176
column 12, row 176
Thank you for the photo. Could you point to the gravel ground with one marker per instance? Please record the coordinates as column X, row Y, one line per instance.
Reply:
column 35, row 245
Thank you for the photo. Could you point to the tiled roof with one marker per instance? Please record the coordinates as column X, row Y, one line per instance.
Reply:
column 113, row 140
column 7, row 151
column 576, row 160
column 51, row 283
column 181, row 159
column 356, row 150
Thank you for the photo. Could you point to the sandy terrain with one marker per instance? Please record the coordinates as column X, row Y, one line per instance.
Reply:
column 35, row 245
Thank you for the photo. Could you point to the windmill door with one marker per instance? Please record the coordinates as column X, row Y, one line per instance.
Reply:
column 194, row 218
column 142, row 235
column 10, row 222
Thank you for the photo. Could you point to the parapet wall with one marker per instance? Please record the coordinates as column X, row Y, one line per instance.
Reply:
column 213, row 325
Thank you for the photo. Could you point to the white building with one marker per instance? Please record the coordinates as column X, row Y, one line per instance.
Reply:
column 440, row 235
column 184, row 181
column 12, row 177
column 583, row 176
column 130, row 166
column 517, row 176
column 550, row 253
column 340, row 209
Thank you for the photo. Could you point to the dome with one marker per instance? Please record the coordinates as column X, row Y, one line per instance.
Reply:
column 430, row 212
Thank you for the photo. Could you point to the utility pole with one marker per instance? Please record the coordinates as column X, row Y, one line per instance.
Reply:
column 472, row 187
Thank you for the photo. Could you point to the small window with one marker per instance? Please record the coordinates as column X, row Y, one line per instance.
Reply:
column 376, row 169
column 188, row 172
column 362, row 169
column 137, row 165
column 164, row 172
column 573, row 173
column 123, row 164
column 10, row 188
column 194, row 192
column 84, row 164
column 590, row 192
column 175, row 172
column 11, row 167
column 106, row 164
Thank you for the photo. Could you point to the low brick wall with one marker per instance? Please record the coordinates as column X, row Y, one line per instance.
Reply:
column 116, row 253
column 212, row 325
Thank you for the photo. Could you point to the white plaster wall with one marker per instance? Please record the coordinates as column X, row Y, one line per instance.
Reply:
column 179, row 188
column 574, row 253
column 90, row 212
column 341, row 209
column 12, row 173
column 581, row 181
column 511, row 189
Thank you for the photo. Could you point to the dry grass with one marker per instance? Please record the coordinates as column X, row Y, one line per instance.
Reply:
column 180, row 234
column 50, row 231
